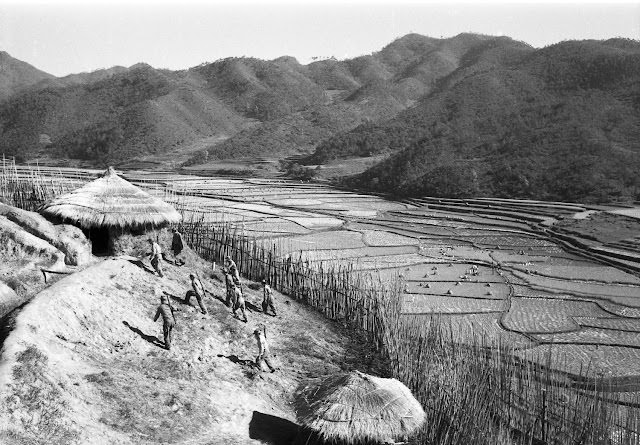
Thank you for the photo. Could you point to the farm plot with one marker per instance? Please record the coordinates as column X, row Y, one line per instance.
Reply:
column 588, row 272
column 437, row 304
column 382, row 238
column 537, row 315
column 478, row 221
column 274, row 226
column 604, row 360
column 421, row 220
column 615, row 323
column 623, row 294
column 509, row 241
column 350, row 204
column 488, row 291
column 260, row 208
column 333, row 240
column 378, row 263
column 402, row 229
column 318, row 222
column 522, row 290
column 464, row 253
column 296, row 202
column 446, row 271
column 486, row 325
column 589, row 335
column 384, row 256
column 618, row 309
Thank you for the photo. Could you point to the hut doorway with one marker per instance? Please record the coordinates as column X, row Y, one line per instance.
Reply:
column 100, row 240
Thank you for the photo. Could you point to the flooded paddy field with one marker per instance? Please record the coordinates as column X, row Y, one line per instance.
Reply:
column 524, row 270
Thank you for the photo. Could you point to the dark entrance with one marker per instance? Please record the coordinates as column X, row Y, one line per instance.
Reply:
column 99, row 237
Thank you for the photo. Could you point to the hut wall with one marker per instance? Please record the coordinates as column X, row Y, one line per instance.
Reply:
column 135, row 242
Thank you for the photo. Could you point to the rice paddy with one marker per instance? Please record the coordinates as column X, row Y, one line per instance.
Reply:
column 484, row 258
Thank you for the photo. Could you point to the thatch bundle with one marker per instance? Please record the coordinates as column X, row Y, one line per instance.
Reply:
column 111, row 202
column 358, row 408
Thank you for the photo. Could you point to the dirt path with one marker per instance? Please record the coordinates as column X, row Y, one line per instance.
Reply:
column 85, row 360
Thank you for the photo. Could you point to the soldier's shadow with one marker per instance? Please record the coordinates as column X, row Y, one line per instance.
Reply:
column 138, row 262
column 176, row 298
column 150, row 338
column 239, row 361
column 217, row 297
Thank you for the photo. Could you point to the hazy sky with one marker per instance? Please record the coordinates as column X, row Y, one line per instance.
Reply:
column 67, row 37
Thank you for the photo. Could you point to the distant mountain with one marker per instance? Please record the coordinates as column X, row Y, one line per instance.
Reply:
column 467, row 115
column 142, row 110
column 232, row 108
column 560, row 123
column 16, row 75
column 83, row 78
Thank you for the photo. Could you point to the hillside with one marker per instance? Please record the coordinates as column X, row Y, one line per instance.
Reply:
column 469, row 115
column 84, row 363
column 560, row 123
column 16, row 75
column 232, row 108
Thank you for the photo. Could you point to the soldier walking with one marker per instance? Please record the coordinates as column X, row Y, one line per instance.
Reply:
column 177, row 245
column 233, row 269
column 168, row 320
column 156, row 257
column 228, row 281
column 197, row 291
column 267, row 298
column 239, row 303
column 264, row 354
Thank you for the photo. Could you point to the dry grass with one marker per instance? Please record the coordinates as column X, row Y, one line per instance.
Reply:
column 356, row 408
column 36, row 405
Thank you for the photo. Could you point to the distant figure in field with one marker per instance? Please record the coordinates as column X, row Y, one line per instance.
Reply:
column 239, row 303
column 177, row 246
column 264, row 355
column 228, row 281
column 233, row 269
column 156, row 257
column 267, row 298
column 168, row 320
column 197, row 291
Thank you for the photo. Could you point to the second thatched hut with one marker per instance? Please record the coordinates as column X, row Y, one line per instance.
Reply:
column 355, row 409
column 116, row 216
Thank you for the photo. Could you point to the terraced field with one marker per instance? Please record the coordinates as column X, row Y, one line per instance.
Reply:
column 501, row 267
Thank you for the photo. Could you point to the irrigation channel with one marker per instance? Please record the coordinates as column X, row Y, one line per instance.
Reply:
column 544, row 322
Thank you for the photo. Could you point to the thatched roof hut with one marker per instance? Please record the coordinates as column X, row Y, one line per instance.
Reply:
column 110, row 207
column 357, row 408
column 111, row 201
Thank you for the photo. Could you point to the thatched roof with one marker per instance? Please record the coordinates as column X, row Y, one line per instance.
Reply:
column 111, row 201
column 356, row 408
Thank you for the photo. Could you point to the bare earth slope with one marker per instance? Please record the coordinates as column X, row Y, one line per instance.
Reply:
column 85, row 361
column 29, row 244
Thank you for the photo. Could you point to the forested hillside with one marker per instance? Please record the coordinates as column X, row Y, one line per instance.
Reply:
column 16, row 75
column 467, row 115
column 234, row 108
column 560, row 123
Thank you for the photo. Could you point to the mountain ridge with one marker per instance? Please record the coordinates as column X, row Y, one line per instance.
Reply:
column 429, row 108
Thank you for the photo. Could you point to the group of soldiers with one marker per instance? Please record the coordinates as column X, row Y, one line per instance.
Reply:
column 234, row 299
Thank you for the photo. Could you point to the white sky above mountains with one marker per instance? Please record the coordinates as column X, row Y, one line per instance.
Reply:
column 69, row 37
